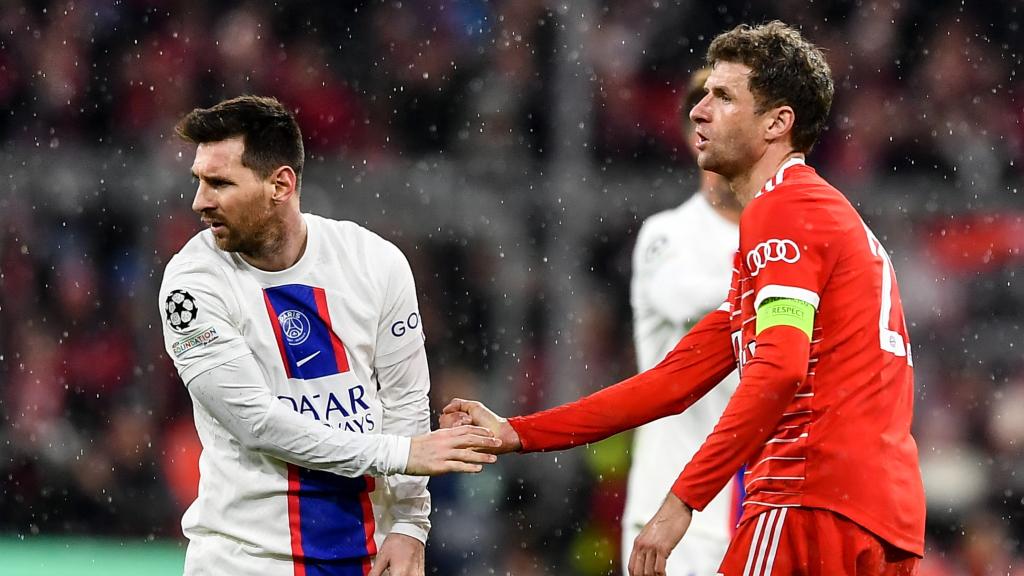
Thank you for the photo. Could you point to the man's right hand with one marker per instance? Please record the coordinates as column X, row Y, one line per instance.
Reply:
column 457, row 449
column 459, row 412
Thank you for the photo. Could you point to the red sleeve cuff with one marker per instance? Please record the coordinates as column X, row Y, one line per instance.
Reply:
column 525, row 442
column 680, row 492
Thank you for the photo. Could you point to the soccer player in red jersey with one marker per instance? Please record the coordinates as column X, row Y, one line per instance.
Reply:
column 813, row 320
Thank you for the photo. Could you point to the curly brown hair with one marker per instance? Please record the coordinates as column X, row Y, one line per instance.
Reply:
column 786, row 69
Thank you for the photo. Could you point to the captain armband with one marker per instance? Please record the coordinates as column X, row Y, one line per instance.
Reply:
column 785, row 312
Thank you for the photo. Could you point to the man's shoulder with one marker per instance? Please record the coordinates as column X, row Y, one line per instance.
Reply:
column 802, row 194
column 351, row 237
column 800, row 183
column 805, row 208
column 199, row 255
column 675, row 225
column 654, row 241
column 664, row 222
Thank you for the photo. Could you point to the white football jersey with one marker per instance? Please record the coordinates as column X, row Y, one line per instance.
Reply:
column 682, row 266
column 320, row 331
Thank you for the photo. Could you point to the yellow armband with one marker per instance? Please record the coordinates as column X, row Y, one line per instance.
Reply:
column 785, row 312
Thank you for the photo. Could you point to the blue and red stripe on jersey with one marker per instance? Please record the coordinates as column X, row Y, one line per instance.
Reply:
column 316, row 350
column 331, row 522
column 330, row 517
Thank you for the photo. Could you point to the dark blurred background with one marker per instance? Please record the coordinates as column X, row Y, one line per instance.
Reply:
column 511, row 149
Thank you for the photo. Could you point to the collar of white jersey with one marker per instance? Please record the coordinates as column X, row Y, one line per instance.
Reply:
column 295, row 271
column 773, row 182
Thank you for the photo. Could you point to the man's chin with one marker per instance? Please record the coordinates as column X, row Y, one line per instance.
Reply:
column 709, row 163
column 705, row 161
column 225, row 243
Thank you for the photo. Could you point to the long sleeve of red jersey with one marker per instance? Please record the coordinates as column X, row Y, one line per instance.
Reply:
column 767, row 386
column 698, row 362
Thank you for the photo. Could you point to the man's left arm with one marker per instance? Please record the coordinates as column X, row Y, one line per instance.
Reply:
column 769, row 382
column 403, row 380
column 403, row 394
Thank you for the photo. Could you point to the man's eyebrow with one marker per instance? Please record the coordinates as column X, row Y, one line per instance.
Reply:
column 212, row 179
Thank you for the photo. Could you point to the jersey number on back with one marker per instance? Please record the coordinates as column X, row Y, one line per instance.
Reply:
column 890, row 339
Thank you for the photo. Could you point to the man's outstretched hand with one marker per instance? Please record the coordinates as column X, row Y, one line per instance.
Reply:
column 459, row 449
column 460, row 412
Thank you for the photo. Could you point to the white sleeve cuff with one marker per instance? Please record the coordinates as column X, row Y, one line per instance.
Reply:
column 411, row 530
column 393, row 456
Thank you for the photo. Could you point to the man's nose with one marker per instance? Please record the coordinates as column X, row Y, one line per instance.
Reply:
column 699, row 113
column 203, row 200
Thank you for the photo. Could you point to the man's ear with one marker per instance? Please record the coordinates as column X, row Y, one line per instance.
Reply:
column 780, row 123
column 285, row 183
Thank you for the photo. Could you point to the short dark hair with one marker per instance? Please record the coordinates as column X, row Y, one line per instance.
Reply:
column 786, row 69
column 269, row 132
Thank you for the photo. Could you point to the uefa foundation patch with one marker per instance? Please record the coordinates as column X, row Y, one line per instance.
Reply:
column 194, row 341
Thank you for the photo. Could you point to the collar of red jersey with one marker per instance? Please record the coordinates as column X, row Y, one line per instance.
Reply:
column 773, row 182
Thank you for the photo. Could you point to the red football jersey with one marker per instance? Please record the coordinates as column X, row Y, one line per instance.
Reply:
column 838, row 438
column 843, row 442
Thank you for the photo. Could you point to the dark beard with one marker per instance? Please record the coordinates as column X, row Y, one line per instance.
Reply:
column 256, row 235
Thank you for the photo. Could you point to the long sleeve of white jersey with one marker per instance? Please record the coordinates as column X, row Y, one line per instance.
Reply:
column 403, row 381
column 403, row 392
column 235, row 394
column 202, row 336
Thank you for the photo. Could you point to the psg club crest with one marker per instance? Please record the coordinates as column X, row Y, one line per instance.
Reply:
column 295, row 326
column 181, row 310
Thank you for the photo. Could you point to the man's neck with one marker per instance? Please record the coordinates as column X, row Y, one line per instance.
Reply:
column 285, row 249
column 747, row 185
column 716, row 191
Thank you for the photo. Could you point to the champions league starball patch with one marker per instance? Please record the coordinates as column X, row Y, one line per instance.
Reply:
column 181, row 310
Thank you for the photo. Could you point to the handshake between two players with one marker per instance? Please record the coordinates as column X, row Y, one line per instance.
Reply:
column 267, row 323
column 460, row 413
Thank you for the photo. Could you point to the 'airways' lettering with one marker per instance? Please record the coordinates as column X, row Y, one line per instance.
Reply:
column 351, row 413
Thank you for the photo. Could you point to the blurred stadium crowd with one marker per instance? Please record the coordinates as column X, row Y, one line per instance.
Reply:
column 462, row 99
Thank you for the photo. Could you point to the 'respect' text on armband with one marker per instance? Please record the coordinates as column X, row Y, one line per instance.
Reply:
column 785, row 312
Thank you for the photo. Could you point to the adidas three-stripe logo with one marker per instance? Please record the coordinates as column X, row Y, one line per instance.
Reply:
column 764, row 545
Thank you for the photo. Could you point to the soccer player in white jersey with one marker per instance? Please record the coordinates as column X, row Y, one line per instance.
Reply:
column 682, row 265
column 300, row 342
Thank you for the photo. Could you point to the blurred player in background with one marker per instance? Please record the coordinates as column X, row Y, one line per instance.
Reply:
column 682, row 264
column 813, row 320
column 299, row 340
